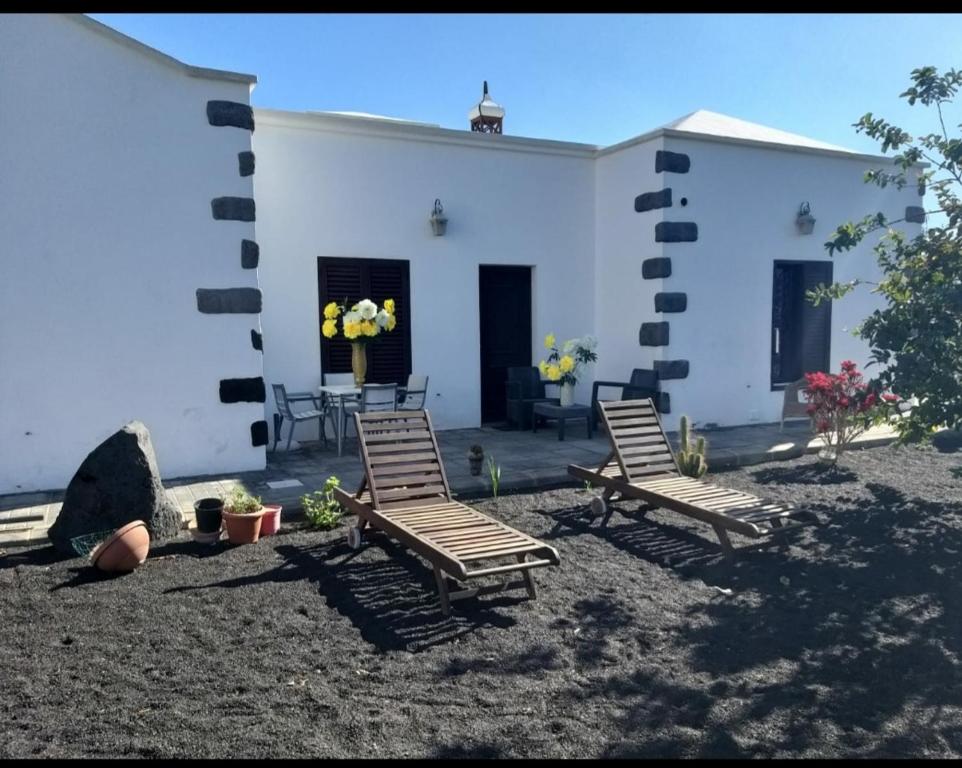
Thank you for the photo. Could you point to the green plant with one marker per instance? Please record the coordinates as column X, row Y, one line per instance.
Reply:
column 240, row 502
column 588, row 485
column 494, row 472
column 691, row 462
column 914, row 337
column 477, row 450
column 321, row 508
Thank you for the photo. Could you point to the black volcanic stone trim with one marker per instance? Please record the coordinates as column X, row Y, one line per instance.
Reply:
column 242, row 390
column 257, row 341
column 233, row 208
column 671, row 369
column 672, row 162
column 259, row 433
column 663, row 402
column 218, row 301
column 658, row 267
column 653, row 335
column 250, row 254
column 671, row 302
column 651, row 200
column 231, row 113
column 676, row 232
column 245, row 162
column 915, row 214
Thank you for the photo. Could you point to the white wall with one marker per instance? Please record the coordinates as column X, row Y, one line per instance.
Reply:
column 109, row 166
column 744, row 200
column 322, row 192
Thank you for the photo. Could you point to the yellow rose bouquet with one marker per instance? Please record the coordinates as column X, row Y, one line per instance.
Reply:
column 564, row 365
column 362, row 323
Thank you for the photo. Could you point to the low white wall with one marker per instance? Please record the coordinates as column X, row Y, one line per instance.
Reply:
column 744, row 200
column 109, row 167
column 323, row 191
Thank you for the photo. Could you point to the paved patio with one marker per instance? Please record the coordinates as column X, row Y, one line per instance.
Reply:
column 527, row 461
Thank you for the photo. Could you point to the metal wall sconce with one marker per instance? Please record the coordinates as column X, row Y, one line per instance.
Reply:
column 805, row 222
column 439, row 222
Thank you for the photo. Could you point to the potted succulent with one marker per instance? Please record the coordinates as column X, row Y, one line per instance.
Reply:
column 476, row 459
column 243, row 514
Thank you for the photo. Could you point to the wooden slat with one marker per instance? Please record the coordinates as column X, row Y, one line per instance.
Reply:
column 421, row 445
column 405, row 469
column 386, row 459
column 409, row 481
column 620, row 405
column 631, row 413
column 400, row 437
column 620, row 434
column 408, row 493
column 523, row 547
column 398, row 416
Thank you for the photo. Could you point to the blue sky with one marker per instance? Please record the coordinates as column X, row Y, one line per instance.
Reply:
column 597, row 79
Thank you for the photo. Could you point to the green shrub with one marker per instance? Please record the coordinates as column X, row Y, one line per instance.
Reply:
column 321, row 508
column 494, row 472
column 240, row 502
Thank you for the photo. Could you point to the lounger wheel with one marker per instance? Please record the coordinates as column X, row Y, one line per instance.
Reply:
column 354, row 537
column 598, row 506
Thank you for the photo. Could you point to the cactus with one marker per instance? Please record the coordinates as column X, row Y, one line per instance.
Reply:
column 692, row 463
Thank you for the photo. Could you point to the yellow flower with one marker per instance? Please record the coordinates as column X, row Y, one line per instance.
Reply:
column 543, row 367
column 567, row 363
column 554, row 372
column 352, row 330
column 391, row 322
column 329, row 329
column 369, row 328
column 549, row 341
column 389, row 306
column 331, row 311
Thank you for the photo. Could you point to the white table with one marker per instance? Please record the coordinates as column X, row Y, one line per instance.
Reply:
column 340, row 393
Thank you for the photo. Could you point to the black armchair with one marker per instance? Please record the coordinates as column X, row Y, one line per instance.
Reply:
column 523, row 389
column 643, row 383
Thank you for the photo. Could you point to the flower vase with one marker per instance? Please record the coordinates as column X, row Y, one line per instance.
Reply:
column 359, row 362
column 567, row 395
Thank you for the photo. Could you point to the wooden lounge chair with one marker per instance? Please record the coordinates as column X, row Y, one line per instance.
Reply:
column 405, row 493
column 642, row 466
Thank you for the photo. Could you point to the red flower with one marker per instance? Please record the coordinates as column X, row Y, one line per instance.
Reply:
column 889, row 397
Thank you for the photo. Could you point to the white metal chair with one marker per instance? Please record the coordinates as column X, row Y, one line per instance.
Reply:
column 792, row 405
column 374, row 397
column 415, row 393
column 285, row 410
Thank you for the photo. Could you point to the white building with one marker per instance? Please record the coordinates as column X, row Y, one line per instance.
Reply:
column 134, row 264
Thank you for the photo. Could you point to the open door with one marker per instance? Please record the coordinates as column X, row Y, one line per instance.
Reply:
column 505, row 317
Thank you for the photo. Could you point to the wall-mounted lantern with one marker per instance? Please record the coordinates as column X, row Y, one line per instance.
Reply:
column 805, row 222
column 439, row 221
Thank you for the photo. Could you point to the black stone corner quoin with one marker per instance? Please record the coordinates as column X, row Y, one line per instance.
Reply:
column 676, row 232
column 672, row 162
column 259, row 433
column 230, row 113
column 233, row 208
column 659, row 266
column 245, row 163
column 671, row 369
column 671, row 302
column 219, row 301
column 915, row 214
column 651, row 200
column 250, row 254
column 653, row 334
column 257, row 341
column 243, row 390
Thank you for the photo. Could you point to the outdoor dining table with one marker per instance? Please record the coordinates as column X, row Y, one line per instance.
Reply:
column 340, row 393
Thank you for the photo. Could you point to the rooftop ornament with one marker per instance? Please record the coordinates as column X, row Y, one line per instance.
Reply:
column 805, row 222
column 487, row 116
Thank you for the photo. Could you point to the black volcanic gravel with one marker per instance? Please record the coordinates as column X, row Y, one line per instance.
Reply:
column 845, row 643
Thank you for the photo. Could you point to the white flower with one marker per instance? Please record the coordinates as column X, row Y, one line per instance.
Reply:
column 367, row 308
column 568, row 347
column 352, row 316
column 381, row 319
column 588, row 342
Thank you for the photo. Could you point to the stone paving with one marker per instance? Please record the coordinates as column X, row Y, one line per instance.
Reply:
column 527, row 461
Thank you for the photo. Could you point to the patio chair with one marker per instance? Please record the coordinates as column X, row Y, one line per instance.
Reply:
column 405, row 493
column 643, row 383
column 523, row 389
column 285, row 410
column 414, row 395
column 374, row 397
column 642, row 466
column 792, row 406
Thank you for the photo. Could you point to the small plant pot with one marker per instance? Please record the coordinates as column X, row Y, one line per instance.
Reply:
column 271, row 523
column 208, row 513
column 243, row 529
column 475, row 463
column 209, row 538
column 125, row 550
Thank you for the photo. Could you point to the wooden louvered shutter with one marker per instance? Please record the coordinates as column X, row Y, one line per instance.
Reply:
column 389, row 357
column 816, row 322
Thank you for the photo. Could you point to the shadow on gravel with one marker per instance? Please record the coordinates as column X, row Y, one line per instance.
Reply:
column 806, row 474
column 386, row 592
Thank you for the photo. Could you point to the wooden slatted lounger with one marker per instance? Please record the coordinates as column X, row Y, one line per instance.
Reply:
column 405, row 493
column 642, row 465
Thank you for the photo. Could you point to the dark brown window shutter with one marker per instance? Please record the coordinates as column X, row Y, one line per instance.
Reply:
column 389, row 357
column 816, row 325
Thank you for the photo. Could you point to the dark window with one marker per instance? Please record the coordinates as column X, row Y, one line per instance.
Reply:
column 389, row 356
column 801, row 333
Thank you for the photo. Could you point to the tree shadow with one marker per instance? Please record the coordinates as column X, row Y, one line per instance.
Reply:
column 386, row 592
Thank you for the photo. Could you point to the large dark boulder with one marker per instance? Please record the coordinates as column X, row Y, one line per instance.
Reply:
column 118, row 482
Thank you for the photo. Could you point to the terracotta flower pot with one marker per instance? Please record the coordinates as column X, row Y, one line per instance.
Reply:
column 243, row 529
column 271, row 523
column 124, row 550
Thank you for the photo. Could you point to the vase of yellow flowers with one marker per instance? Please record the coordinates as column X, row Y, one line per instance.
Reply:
column 564, row 365
column 361, row 324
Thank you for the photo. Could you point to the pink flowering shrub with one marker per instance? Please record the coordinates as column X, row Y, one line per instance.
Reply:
column 843, row 406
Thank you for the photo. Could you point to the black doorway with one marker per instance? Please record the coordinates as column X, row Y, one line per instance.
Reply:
column 505, row 317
